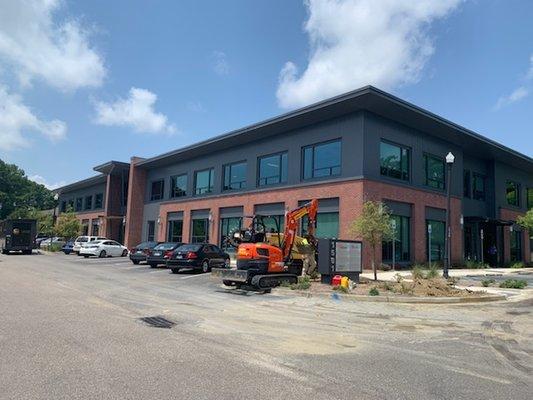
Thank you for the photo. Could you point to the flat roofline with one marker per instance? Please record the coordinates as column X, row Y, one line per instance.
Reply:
column 366, row 98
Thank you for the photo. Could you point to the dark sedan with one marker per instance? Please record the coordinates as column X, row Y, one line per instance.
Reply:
column 161, row 253
column 142, row 251
column 202, row 256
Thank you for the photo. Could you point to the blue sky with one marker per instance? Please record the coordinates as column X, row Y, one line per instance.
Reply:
column 98, row 80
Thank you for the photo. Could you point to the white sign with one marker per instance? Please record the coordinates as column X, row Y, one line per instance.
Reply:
column 347, row 256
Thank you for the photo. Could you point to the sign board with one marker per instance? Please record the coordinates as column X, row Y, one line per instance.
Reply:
column 346, row 256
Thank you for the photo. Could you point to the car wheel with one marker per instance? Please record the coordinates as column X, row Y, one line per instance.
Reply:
column 78, row 253
column 205, row 266
column 124, row 253
column 175, row 270
column 86, row 256
column 153, row 265
column 136, row 262
column 103, row 254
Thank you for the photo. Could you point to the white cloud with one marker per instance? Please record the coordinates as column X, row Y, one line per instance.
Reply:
column 36, row 45
column 41, row 180
column 221, row 65
column 16, row 118
column 136, row 111
column 360, row 42
column 196, row 106
column 520, row 93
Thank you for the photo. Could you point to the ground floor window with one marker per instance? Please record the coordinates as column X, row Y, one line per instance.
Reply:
column 200, row 231
column 85, row 227
column 272, row 222
column 150, row 236
column 402, row 241
column 95, row 229
column 436, row 234
column 175, row 231
column 516, row 245
column 327, row 225
column 226, row 226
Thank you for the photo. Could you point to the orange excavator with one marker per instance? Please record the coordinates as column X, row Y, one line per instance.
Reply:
column 268, row 259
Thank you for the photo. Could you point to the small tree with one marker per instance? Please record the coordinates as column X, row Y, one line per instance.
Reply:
column 526, row 221
column 373, row 226
column 67, row 226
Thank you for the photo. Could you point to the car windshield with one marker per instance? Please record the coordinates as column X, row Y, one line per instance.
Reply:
column 189, row 247
column 146, row 245
column 165, row 246
column 82, row 239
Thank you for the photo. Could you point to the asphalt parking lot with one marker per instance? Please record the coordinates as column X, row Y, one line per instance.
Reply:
column 71, row 328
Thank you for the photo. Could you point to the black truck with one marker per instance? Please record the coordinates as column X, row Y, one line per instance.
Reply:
column 18, row 235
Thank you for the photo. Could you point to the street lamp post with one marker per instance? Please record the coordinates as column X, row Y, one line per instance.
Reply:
column 393, row 224
column 450, row 158
column 56, row 198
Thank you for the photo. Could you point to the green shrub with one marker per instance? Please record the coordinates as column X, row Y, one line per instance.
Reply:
column 514, row 284
column 417, row 272
column 405, row 288
column 517, row 265
column 373, row 292
column 387, row 286
column 433, row 272
column 475, row 265
column 304, row 283
column 487, row 282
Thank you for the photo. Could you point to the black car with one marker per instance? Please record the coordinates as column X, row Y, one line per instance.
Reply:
column 202, row 256
column 142, row 251
column 161, row 253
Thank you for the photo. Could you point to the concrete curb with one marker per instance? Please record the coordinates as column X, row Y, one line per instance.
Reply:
column 396, row 299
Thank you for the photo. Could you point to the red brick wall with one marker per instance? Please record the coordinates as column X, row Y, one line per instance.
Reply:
column 91, row 217
column 512, row 215
column 134, row 211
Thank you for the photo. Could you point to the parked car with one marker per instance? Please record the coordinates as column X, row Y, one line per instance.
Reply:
column 161, row 253
column 103, row 248
column 202, row 256
column 67, row 247
column 40, row 237
column 141, row 251
column 51, row 242
column 80, row 240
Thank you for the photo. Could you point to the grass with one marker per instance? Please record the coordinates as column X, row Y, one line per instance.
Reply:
column 487, row 282
column 373, row 292
column 514, row 284
column 475, row 265
column 419, row 272
column 517, row 265
column 304, row 283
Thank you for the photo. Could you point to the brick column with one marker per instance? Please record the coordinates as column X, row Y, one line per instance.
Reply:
column 214, row 225
column 186, row 225
column 135, row 207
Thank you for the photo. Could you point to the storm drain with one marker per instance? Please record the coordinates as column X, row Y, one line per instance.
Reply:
column 158, row 322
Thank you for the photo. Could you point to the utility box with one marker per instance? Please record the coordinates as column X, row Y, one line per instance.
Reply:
column 339, row 257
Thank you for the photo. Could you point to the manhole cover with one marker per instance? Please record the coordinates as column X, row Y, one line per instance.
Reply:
column 158, row 322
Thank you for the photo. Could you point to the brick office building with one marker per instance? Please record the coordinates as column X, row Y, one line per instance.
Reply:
column 363, row 145
column 99, row 202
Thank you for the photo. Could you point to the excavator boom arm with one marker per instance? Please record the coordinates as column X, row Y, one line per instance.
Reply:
column 291, row 224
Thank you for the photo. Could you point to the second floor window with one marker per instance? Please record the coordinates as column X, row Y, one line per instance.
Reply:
column 322, row 160
column 529, row 198
column 178, row 186
column 435, row 171
column 478, row 192
column 98, row 200
column 235, row 176
column 88, row 202
column 394, row 161
column 79, row 203
column 203, row 182
column 157, row 190
column 467, row 186
column 512, row 192
column 272, row 169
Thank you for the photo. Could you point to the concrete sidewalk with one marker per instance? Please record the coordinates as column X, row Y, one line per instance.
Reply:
column 457, row 273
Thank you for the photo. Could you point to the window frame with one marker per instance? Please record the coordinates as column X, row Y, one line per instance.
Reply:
column 409, row 161
column 211, row 186
column 313, row 148
column 170, row 236
column 173, row 178
column 162, row 180
column 230, row 165
column 400, row 230
column 79, row 200
column 98, row 196
column 149, row 224
column 90, row 207
column 475, row 195
column 517, row 190
column 427, row 179
column 280, row 182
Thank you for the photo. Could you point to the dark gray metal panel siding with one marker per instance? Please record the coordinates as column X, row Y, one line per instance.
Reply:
column 503, row 173
column 231, row 212
column 88, row 191
column 325, row 205
column 436, row 214
column 478, row 208
column 270, row 209
column 200, row 214
column 175, row 216
column 397, row 208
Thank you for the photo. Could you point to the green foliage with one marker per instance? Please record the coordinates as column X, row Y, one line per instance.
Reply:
column 514, row 284
column 517, row 265
column 304, row 283
column 432, row 272
column 388, row 286
column 526, row 221
column 54, row 248
column 373, row 292
column 17, row 191
column 470, row 264
column 417, row 272
column 373, row 226
column 45, row 223
column 398, row 278
column 67, row 226
column 487, row 282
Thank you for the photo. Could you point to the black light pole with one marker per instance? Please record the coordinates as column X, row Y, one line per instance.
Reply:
column 450, row 158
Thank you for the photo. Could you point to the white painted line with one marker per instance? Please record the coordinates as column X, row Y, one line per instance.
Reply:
column 196, row 276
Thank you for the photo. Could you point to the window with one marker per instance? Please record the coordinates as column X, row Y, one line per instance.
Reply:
column 200, row 231
column 436, row 234
column 88, row 202
column 322, row 160
column 394, row 161
column 479, row 187
column 63, row 206
column 203, row 182
column 467, row 186
column 175, row 231
column 95, row 228
column 272, row 169
column 516, row 245
column 98, row 200
column 178, row 186
column 70, row 205
column 402, row 241
column 227, row 225
column 512, row 192
column 157, row 190
column 234, row 176
column 79, row 203
column 434, row 167
column 327, row 225
column 529, row 198
column 272, row 222
column 150, row 231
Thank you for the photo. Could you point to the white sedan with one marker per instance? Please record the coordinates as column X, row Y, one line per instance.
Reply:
column 103, row 248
